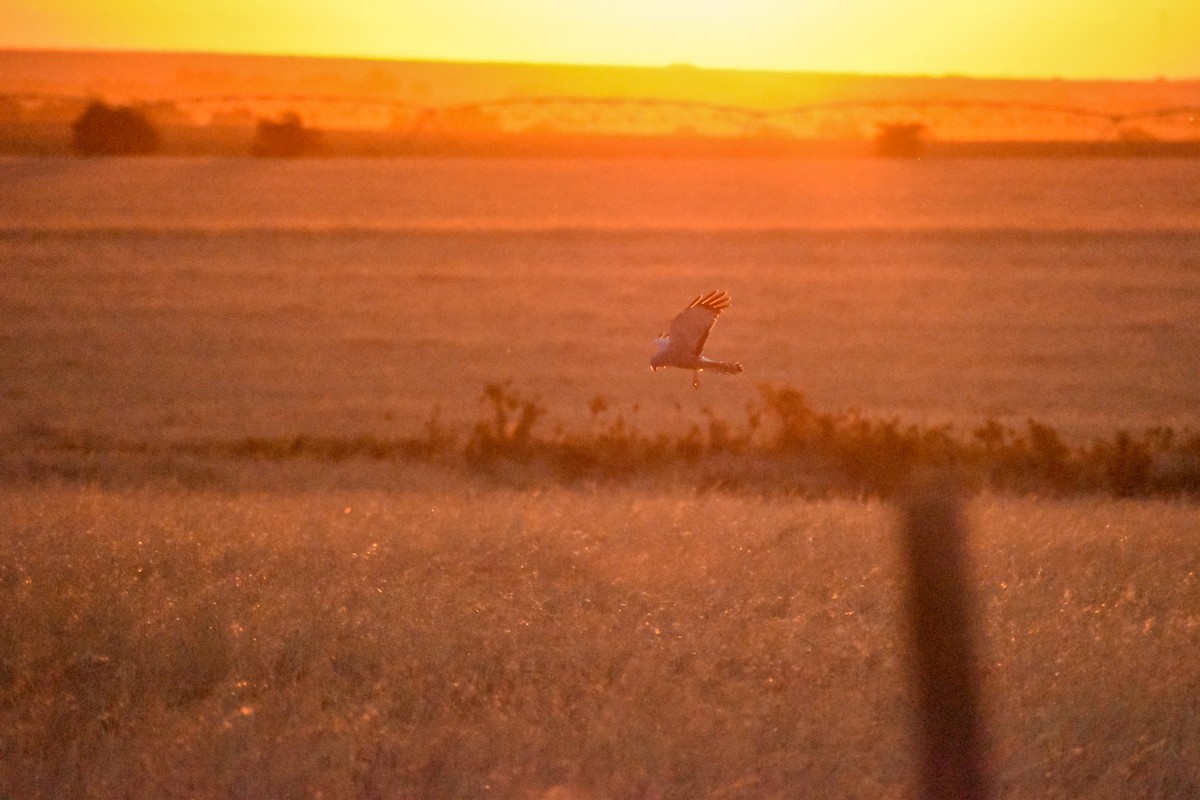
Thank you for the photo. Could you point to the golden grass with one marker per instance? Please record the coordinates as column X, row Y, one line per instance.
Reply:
column 459, row 639
column 266, row 538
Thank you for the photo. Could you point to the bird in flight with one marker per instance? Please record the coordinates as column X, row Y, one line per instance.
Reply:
column 681, row 345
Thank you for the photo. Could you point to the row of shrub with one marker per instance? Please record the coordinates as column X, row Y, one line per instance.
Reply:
column 104, row 130
column 782, row 444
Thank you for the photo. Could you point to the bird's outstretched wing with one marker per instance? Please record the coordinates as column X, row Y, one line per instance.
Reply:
column 689, row 329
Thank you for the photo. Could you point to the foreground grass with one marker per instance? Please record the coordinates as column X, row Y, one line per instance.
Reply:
column 469, row 640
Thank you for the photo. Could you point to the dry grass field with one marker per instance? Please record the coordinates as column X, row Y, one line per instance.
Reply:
column 446, row 637
column 302, row 502
column 186, row 299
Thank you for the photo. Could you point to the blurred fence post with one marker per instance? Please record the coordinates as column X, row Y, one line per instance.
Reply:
column 940, row 615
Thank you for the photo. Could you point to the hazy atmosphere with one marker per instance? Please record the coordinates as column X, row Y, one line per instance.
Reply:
column 556, row 402
column 1119, row 39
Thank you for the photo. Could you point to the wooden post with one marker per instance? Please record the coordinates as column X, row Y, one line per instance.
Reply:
column 940, row 616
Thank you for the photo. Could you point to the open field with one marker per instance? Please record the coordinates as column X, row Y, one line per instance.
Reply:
column 170, row 299
column 340, row 479
column 925, row 312
column 449, row 638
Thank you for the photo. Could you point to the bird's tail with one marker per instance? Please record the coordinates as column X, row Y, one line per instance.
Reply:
column 725, row 367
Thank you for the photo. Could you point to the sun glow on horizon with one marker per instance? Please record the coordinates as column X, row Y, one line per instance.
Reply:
column 1018, row 38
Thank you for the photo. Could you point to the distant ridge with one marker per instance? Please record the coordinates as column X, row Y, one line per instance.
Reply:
column 133, row 76
column 211, row 104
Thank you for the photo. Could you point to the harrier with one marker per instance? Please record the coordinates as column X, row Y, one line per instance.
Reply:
column 681, row 346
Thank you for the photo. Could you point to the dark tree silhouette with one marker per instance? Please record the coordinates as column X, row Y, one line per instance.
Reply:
column 10, row 110
column 285, row 137
column 901, row 140
column 105, row 130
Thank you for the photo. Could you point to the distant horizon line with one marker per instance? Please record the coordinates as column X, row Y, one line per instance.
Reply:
column 682, row 66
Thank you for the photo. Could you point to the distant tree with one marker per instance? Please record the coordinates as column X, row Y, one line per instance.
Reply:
column 1135, row 134
column 285, row 137
column 56, row 110
column 105, row 130
column 470, row 120
column 240, row 117
column 168, row 115
column 10, row 109
column 901, row 140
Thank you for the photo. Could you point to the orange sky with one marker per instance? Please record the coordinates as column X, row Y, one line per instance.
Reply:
column 987, row 38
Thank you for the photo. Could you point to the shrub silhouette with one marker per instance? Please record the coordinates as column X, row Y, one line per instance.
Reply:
column 10, row 110
column 783, row 444
column 509, row 432
column 901, row 140
column 285, row 137
column 105, row 130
